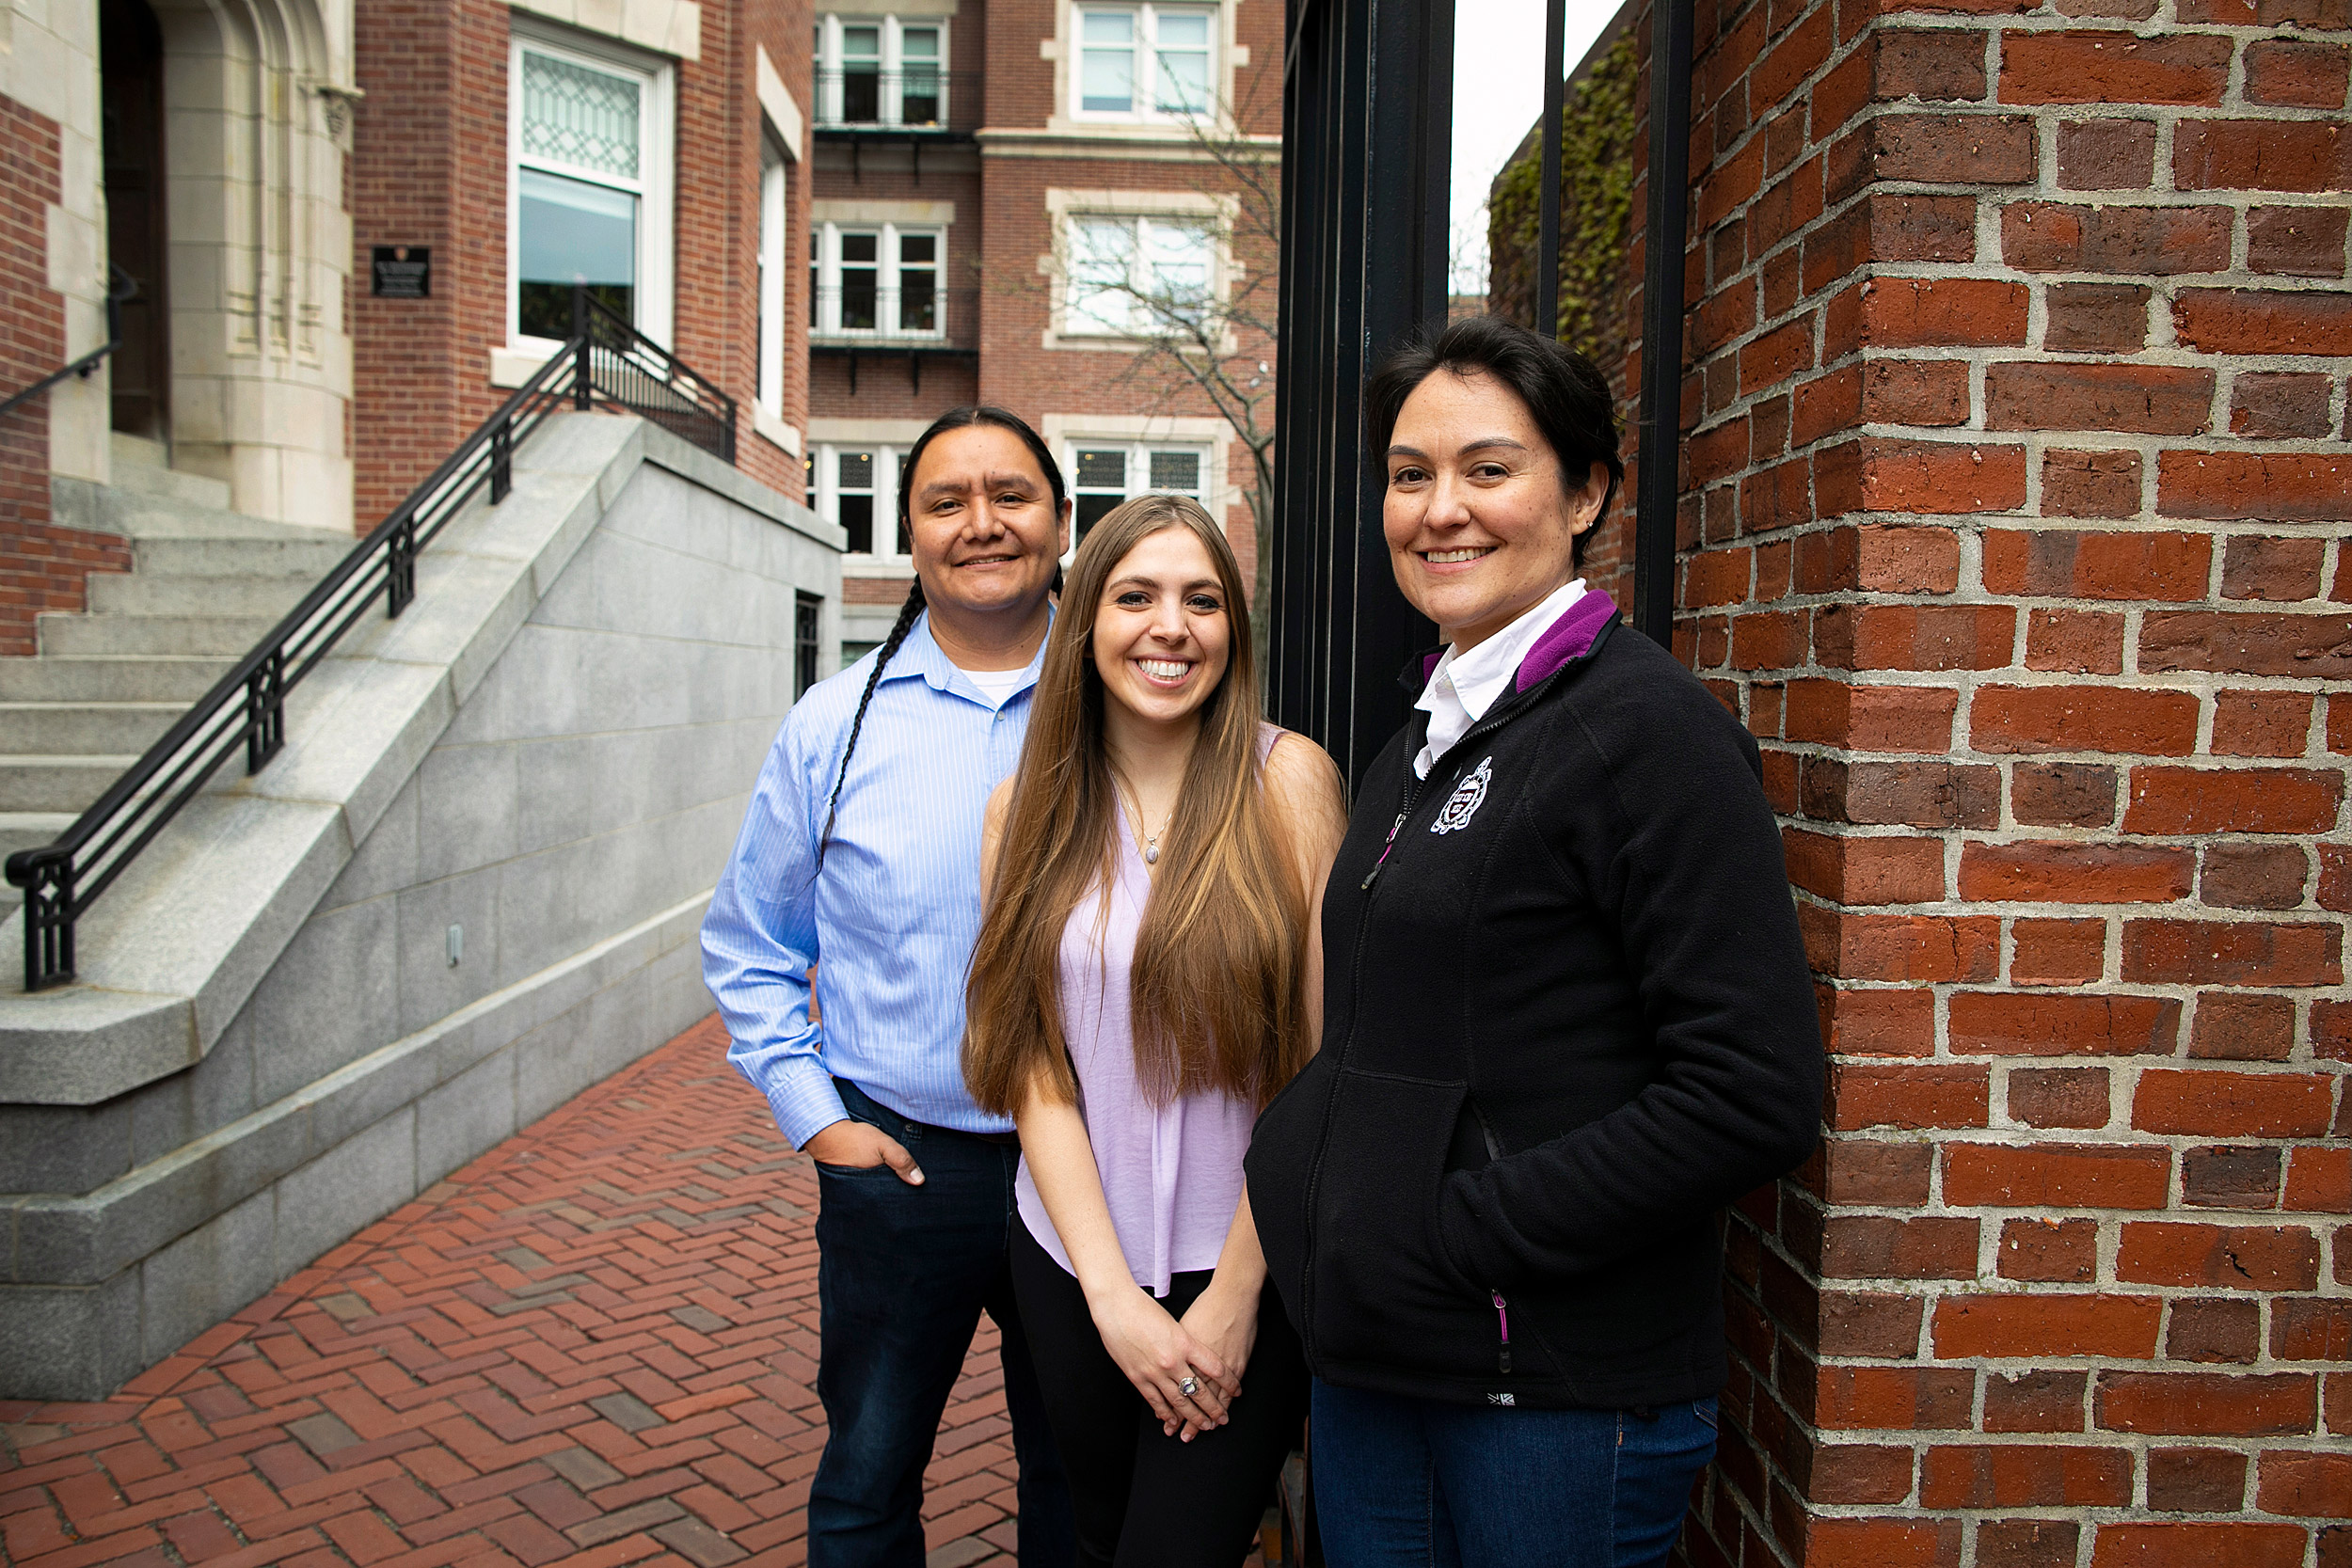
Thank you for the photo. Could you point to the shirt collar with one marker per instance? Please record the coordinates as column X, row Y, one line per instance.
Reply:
column 1480, row 675
column 921, row 654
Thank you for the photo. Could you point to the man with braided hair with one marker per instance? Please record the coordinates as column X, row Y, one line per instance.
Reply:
column 860, row 858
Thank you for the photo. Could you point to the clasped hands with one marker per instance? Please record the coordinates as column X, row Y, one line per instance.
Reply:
column 1210, row 1345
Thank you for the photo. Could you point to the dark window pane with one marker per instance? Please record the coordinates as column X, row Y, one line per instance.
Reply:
column 860, row 247
column 857, row 520
column 1093, row 509
column 856, row 470
column 918, row 250
column 918, row 302
column 1176, row 470
column 1102, row 469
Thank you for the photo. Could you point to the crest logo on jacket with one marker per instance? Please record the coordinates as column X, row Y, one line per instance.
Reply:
column 1467, row 798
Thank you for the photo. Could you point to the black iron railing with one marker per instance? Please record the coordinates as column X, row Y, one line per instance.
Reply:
column 607, row 363
column 913, row 98
column 909, row 316
column 123, row 286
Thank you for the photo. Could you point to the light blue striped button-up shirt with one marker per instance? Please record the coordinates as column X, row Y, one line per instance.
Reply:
column 891, row 919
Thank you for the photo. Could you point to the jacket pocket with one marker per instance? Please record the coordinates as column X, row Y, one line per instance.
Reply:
column 1281, row 1160
column 1382, row 1291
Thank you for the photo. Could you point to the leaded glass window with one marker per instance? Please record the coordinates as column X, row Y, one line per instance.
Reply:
column 586, row 119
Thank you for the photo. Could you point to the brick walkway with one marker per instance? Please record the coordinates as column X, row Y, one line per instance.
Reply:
column 595, row 1344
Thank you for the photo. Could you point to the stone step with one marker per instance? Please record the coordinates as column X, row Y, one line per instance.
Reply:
column 118, row 509
column 115, row 594
column 232, row 636
column 168, row 484
column 52, row 783
column 109, row 678
column 73, row 729
column 161, row 555
column 139, row 450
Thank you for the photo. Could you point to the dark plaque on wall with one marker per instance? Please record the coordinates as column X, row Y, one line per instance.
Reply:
column 403, row 272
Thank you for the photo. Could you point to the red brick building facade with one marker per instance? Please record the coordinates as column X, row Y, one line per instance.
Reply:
column 248, row 177
column 2012, row 524
column 966, row 211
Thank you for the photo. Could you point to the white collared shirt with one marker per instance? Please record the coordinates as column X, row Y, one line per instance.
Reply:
column 1466, row 685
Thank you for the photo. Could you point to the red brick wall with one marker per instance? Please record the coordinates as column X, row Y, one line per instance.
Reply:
column 429, row 167
column 1002, row 228
column 42, row 566
column 2012, row 509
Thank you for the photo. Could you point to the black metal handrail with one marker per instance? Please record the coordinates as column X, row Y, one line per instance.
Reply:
column 122, row 286
column 913, row 98
column 606, row 362
column 859, row 315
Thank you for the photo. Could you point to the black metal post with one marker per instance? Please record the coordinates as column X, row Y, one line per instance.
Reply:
column 1658, row 489
column 501, row 461
column 1367, row 143
column 1548, row 203
column 583, row 379
column 399, row 566
column 48, row 885
column 265, row 711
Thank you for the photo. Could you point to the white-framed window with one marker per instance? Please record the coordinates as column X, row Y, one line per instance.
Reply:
column 1105, row 473
column 882, row 71
column 773, row 210
column 1143, row 62
column 856, row 487
column 876, row 279
column 589, row 187
column 1131, row 275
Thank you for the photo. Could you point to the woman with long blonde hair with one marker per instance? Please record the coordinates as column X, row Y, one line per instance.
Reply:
column 1146, row 977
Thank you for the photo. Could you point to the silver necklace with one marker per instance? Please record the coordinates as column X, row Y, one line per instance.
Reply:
column 1151, row 839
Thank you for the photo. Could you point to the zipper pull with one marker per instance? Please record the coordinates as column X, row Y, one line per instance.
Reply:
column 1503, row 1321
column 1374, row 875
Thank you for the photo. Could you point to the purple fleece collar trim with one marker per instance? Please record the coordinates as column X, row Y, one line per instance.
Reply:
column 1571, row 637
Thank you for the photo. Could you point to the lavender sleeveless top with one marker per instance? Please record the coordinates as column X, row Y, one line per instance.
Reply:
column 1171, row 1175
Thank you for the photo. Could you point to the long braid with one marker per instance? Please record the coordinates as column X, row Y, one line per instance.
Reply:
column 908, row 612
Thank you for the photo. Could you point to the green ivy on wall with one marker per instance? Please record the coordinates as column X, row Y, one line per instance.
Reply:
column 1596, row 214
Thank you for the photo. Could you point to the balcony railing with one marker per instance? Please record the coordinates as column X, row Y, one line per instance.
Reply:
column 911, row 316
column 911, row 99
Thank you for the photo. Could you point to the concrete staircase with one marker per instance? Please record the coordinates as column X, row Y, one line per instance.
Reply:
column 206, row 584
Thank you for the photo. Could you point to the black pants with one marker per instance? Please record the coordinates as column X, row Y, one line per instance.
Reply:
column 903, row 1276
column 1142, row 1499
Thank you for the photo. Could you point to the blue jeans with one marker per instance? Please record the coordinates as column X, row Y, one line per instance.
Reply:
column 903, row 1276
column 1404, row 1482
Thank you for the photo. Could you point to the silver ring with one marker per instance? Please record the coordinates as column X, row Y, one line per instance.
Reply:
column 1188, row 1387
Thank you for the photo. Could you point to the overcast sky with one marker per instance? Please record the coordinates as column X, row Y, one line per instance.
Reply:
column 1498, row 92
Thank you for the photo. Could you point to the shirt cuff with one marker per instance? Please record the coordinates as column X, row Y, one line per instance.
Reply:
column 805, row 1101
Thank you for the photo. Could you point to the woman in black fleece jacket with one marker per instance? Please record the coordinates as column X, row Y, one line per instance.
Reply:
column 1567, row 1020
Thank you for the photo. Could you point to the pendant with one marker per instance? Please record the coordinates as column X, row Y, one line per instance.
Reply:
column 1152, row 853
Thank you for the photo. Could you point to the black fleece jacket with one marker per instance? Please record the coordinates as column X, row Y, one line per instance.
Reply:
column 1566, row 1018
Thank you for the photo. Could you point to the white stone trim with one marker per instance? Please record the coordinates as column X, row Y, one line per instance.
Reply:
column 1063, row 50
column 772, row 428
column 673, row 27
column 656, row 286
column 782, row 109
column 909, row 215
column 857, row 433
column 1061, row 205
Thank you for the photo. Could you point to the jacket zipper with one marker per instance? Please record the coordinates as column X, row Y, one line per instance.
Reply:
column 1412, row 790
column 1502, row 1323
column 1364, row 928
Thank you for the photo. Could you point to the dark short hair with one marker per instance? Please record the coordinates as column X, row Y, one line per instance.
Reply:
column 1563, row 391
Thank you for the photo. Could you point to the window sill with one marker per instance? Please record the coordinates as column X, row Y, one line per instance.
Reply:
column 511, row 366
column 771, row 428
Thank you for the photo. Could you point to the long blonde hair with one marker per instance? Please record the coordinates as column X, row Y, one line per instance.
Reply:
column 1214, row 991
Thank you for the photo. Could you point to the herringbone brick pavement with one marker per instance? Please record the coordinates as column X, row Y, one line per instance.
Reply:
column 595, row 1345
